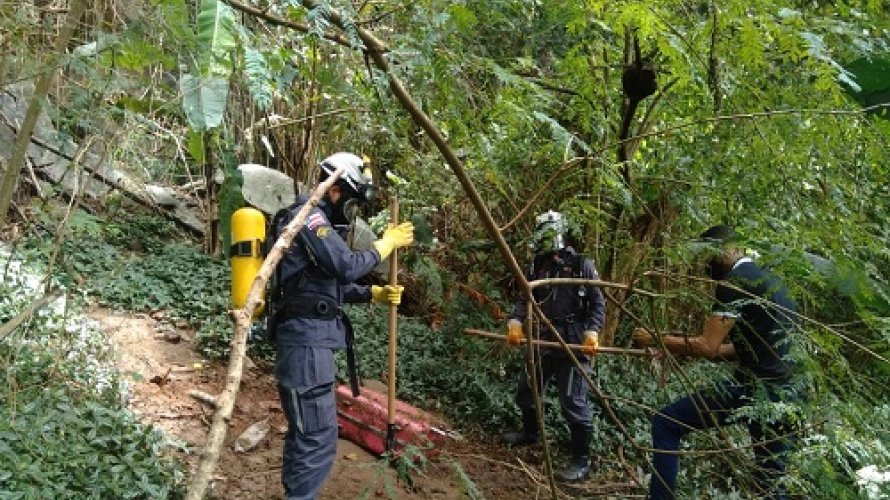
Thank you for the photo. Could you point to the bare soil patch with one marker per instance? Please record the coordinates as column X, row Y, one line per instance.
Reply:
column 162, row 370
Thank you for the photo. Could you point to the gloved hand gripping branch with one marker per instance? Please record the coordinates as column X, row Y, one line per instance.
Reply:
column 395, row 237
column 591, row 342
column 514, row 332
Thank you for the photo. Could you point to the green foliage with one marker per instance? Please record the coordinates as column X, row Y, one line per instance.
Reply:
column 205, row 94
column 132, row 264
column 410, row 463
column 467, row 391
column 521, row 89
column 466, row 484
column 204, row 100
column 63, row 430
column 59, row 446
column 256, row 71
column 180, row 279
column 216, row 30
column 214, row 339
column 230, row 198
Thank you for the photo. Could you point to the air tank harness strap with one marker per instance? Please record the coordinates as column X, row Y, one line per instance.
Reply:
column 247, row 248
column 314, row 307
column 351, row 361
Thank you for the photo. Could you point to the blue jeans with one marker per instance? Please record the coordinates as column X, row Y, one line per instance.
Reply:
column 713, row 408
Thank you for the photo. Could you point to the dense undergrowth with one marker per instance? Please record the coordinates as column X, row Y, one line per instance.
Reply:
column 142, row 264
column 64, row 429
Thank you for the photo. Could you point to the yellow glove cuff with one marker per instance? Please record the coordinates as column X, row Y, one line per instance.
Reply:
column 384, row 248
column 514, row 332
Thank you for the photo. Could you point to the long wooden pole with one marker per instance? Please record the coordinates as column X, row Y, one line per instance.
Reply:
column 534, row 370
column 557, row 345
column 393, row 335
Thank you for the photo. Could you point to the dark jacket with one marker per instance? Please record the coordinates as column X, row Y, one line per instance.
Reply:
column 572, row 309
column 319, row 265
column 765, row 315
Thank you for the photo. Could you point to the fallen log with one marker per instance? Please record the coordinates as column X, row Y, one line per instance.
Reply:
column 139, row 194
column 145, row 198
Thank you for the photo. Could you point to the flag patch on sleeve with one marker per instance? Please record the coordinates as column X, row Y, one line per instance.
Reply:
column 315, row 220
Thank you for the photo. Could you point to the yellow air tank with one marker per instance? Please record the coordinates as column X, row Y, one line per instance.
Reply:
column 248, row 236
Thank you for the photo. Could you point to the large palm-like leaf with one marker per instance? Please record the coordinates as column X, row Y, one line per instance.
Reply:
column 204, row 97
column 217, row 26
column 204, row 100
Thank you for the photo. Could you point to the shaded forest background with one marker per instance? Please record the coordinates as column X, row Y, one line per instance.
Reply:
column 645, row 122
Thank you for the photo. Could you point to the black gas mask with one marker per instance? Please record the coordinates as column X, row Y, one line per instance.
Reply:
column 343, row 213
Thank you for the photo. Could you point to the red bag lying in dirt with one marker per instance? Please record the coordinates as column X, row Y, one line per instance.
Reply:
column 363, row 420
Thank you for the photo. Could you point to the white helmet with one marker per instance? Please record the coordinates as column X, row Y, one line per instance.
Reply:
column 549, row 234
column 357, row 178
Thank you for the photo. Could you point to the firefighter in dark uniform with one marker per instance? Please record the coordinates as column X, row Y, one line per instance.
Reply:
column 578, row 313
column 315, row 277
column 755, row 312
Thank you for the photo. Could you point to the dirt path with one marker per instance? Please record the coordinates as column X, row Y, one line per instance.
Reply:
column 162, row 371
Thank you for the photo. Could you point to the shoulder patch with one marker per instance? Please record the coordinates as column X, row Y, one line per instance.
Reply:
column 316, row 219
column 322, row 232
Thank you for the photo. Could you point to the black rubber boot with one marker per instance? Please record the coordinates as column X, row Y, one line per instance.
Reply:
column 528, row 434
column 579, row 468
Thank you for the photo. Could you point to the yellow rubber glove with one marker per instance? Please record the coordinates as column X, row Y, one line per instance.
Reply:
column 591, row 342
column 388, row 294
column 514, row 332
column 395, row 237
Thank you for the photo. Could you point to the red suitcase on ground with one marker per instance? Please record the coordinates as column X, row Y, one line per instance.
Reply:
column 363, row 420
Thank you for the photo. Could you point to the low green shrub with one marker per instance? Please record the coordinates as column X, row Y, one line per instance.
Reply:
column 64, row 430
column 136, row 264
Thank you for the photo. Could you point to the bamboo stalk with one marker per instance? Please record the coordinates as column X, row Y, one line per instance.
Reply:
column 41, row 88
column 533, row 368
column 556, row 345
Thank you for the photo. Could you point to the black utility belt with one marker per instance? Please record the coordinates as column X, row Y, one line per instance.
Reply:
column 309, row 307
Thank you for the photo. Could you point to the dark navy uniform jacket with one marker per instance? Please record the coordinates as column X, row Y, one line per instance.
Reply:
column 331, row 272
column 761, row 332
column 572, row 309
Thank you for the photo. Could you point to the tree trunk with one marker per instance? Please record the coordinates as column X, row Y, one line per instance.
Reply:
column 211, row 223
column 20, row 150
column 644, row 231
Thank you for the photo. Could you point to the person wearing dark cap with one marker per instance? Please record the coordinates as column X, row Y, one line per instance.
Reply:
column 755, row 313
